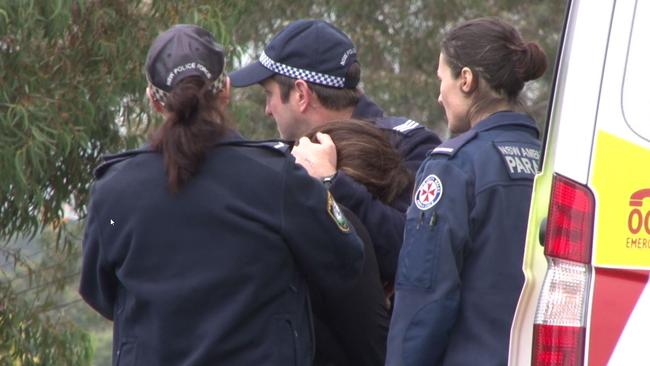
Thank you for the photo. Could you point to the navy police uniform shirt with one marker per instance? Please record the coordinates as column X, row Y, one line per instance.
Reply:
column 216, row 273
column 385, row 223
column 460, row 268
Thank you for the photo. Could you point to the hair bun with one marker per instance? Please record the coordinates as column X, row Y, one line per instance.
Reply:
column 533, row 62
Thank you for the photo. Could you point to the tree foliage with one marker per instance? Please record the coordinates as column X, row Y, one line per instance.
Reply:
column 72, row 88
column 35, row 328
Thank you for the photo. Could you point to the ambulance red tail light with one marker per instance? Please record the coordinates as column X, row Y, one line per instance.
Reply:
column 570, row 221
column 559, row 330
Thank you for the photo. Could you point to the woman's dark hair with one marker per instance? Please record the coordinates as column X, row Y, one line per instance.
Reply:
column 495, row 51
column 194, row 122
column 364, row 153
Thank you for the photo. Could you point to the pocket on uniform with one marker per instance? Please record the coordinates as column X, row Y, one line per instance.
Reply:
column 419, row 255
column 126, row 353
column 285, row 341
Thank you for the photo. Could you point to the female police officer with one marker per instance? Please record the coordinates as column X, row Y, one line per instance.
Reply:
column 459, row 273
column 197, row 246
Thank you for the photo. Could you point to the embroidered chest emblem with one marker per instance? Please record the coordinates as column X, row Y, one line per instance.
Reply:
column 428, row 193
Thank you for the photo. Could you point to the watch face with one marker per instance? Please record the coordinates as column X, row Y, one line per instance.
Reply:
column 329, row 178
column 327, row 181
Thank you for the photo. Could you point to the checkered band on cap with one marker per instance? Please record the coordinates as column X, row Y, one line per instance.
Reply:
column 296, row 73
column 162, row 95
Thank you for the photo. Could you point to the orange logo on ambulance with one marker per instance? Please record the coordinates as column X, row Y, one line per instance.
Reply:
column 638, row 219
column 622, row 237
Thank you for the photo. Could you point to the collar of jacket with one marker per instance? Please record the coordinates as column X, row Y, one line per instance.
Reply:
column 506, row 118
column 496, row 120
column 367, row 109
column 107, row 160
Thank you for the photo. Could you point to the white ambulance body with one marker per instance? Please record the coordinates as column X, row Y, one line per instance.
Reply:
column 586, row 299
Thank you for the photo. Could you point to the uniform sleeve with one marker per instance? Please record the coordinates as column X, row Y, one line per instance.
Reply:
column 415, row 146
column 385, row 223
column 428, row 275
column 323, row 242
column 98, row 284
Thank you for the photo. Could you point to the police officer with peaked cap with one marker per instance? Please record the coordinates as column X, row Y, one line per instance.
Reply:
column 310, row 73
column 198, row 245
column 317, row 53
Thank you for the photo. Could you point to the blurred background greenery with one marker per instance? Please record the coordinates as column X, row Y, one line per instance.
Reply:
column 72, row 88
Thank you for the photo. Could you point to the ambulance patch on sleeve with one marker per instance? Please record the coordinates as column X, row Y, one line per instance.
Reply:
column 336, row 214
column 521, row 160
column 428, row 193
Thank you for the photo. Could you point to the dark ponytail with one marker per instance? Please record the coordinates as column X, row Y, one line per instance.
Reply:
column 193, row 124
column 531, row 62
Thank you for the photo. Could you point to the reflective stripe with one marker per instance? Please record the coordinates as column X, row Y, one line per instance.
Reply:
column 406, row 126
column 443, row 149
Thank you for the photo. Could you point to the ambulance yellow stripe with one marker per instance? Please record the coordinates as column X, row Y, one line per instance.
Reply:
column 621, row 183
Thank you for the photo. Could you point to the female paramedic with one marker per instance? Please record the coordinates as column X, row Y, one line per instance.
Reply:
column 198, row 246
column 460, row 268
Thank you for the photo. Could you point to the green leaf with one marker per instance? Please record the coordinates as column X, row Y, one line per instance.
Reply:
column 19, row 162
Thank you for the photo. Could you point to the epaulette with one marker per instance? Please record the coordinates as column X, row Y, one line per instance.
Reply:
column 275, row 145
column 398, row 124
column 451, row 146
column 111, row 159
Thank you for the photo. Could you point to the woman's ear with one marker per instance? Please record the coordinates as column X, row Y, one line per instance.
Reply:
column 468, row 80
column 155, row 103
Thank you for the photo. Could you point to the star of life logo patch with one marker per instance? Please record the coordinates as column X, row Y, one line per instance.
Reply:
column 336, row 214
column 428, row 193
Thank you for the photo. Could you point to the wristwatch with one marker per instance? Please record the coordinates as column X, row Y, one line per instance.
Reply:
column 327, row 181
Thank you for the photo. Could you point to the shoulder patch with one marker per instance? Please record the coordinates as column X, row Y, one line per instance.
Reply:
column 521, row 160
column 336, row 214
column 451, row 146
column 428, row 193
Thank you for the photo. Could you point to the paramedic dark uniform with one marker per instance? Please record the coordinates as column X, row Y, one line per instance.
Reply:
column 385, row 223
column 460, row 269
column 215, row 274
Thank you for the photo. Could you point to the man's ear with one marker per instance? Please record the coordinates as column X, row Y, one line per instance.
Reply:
column 155, row 103
column 468, row 80
column 304, row 95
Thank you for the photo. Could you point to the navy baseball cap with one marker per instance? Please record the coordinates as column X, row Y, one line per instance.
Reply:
column 308, row 49
column 181, row 51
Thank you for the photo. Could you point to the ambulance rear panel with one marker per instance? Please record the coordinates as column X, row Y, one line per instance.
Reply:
column 588, row 302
